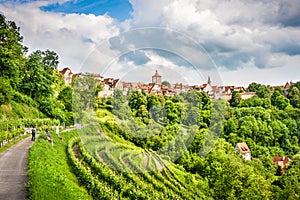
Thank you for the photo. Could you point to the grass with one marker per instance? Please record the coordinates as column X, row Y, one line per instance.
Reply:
column 50, row 176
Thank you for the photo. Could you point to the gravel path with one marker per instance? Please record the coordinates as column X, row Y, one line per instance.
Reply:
column 13, row 171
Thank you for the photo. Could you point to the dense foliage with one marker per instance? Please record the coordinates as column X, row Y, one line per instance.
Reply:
column 29, row 80
column 268, row 122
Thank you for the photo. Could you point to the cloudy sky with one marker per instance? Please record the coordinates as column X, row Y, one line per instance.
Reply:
column 236, row 42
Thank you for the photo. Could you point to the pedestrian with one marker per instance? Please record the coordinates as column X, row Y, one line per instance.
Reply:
column 33, row 132
column 57, row 130
column 48, row 136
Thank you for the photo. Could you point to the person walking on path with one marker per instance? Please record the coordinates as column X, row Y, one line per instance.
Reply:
column 57, row 130
column 48, row 136
column 33, row 132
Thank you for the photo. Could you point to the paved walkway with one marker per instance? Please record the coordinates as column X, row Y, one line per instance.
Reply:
column 13, row 171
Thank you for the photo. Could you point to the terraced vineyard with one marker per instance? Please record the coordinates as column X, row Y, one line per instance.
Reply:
column 112, row 169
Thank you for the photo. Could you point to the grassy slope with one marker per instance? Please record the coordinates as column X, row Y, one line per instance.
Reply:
column 50, row 176
column 16, row 110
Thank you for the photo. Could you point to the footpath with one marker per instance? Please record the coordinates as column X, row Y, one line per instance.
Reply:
column 13, row 171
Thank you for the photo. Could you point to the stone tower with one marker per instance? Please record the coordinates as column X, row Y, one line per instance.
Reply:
column 156, row 78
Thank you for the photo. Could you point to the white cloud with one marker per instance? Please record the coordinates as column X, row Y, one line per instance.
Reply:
column 246, row 39
column 249, row 73
column 170, row 70
column 148, row 13
column 237, row 34
column 72, row 36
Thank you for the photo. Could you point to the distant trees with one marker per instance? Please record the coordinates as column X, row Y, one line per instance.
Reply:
column 166, row 83
column 290, row 181
column 278, row 100
column 173, row 111
column 294, row 96
column 228, row 175
column 120, row 106
column 235, row 98
column 261, row 91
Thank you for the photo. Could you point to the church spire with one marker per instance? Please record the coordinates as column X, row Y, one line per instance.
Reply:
column 209, row 81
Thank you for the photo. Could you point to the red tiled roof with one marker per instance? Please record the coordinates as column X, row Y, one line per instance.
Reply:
column 156, row 74
column 287, row 85
column 243, row 147
column 277, row 159
column 65, row 70
column 281, row 161
column 204, row 85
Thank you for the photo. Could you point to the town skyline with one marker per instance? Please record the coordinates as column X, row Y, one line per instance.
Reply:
column 136, row 79
column 159, row 86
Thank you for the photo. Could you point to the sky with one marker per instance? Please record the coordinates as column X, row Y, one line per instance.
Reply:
column 235, row 42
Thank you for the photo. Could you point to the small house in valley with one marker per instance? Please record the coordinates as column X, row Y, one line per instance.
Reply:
column 243, row 149
column 282, row 162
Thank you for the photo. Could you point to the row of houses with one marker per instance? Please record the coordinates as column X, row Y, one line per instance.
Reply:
column 156, row 87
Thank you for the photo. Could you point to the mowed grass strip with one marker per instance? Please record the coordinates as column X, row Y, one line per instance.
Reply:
column 50, row 176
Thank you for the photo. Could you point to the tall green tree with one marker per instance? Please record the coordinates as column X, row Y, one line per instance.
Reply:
column 290, row 182
column 37, row 78
column 173, row 111
column 136, row 100
column 278, row 100
column 262, row 91
column 85, row 89
column 50, row 58
column 120, row 105
column 236, row 98
column 6, row 91
column 11, row 51
column 294, row 96
column 65, row 97
column 166, row 83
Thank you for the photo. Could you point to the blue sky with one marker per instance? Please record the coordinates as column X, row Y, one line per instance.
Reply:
column 258, row 42
column 118, row 9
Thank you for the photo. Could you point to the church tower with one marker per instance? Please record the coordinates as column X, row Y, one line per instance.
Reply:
column 209, row 81
column 156, row 78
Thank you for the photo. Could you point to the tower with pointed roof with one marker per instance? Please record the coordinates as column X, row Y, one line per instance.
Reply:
column 209, row 81
column 156, row 78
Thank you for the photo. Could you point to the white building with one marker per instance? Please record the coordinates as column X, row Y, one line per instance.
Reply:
column 243, row 149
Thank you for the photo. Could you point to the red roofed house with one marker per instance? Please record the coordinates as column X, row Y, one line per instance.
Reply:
column 243, row 149
column 110, row 85
column 286, row 88
column 67, row 75
column 281, row 161
column 154, row 88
